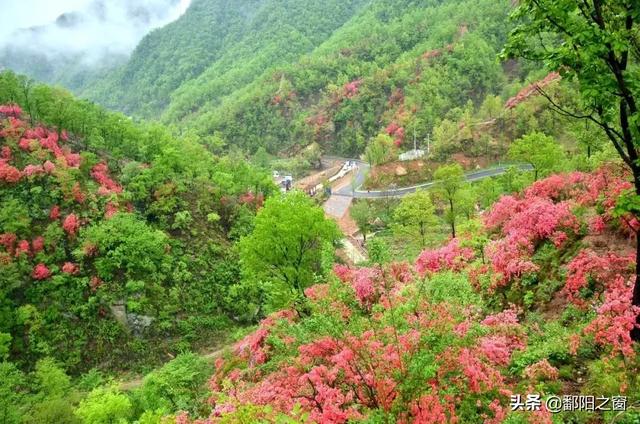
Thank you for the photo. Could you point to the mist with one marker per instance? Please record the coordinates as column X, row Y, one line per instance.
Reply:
column 89, row 29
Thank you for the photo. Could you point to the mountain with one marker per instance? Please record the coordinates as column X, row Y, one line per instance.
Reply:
column 226, row 44
column 493, row 278
column 283, row 75
column 82, row 44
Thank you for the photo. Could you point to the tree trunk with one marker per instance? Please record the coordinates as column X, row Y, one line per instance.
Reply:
column 635, row 299
column 453, row 219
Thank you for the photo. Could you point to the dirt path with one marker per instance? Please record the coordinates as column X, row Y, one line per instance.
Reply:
column 136, row 382
column 353, row 253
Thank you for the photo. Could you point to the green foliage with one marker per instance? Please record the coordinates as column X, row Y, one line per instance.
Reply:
column 453, row 288
column 11, row 382
column 128, row 249
column 52, row 381
column 14, row 215
column 104, row 405
column 380, row 150
column 271, row 77
column 550, row 344
column 363, row 215
column 472, row 234
column 487, row 191
column 162, row 248
column 177, row 386
column 5, row 345
column 452, row 190
column 284, row 249
column 281, row 70
column 415, row 216
column 378, row 251
column 235, row 44
column 53, row 410
column 542, row 152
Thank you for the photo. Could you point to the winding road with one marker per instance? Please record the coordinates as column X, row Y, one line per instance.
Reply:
column 353, row 189
column 338, row 203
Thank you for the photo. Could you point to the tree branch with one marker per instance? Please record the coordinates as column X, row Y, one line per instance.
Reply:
column 612, row 134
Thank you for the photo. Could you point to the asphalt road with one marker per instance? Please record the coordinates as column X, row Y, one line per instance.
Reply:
column 353, row 190
column 337, row 205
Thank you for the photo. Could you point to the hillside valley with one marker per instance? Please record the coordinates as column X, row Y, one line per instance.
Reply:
column 261, row 211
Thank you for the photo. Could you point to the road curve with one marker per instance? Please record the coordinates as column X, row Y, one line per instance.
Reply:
column 353, row 189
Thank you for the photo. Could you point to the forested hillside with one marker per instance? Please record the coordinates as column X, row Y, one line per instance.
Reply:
column 77, row 43
column 196, row 248
column 283, row 75
column 219, row 47
column 113, row 233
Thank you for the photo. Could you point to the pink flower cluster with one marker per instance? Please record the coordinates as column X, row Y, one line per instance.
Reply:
column 451, row 256
column 100, row 174
column 587, row 266
column 367, row 285
column 71, row 224
column 351, row 88
column 531, row 89
column 523, row 223
column 8, row 173
column 616, row 318
column 396, row 131
column 541, row 370
column 12, row 110
column 253, row 347
column 70, row 268
column 41, row 272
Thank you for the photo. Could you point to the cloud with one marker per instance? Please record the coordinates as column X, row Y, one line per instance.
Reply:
column 87, row 28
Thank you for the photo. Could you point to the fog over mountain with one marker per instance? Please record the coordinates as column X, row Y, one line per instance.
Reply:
column 91, row 28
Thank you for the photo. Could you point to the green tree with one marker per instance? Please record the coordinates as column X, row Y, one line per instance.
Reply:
column 104, row 405
column 5, row 345
column 446, row 139
column 177, row 386
column 491, row 107
column 285, row 248
column 415, row 216
column 261, row 158
column 53, row 410
column 588, row 135
column 52, row 402
column 363, row 216
column 595, row 44
column 487, row 191
column 378, row 251
column 51, row 379
column 11, row 379
column 380, row 150
column 541, row 151
column 128, row 250
column 450, row 187
column 312, row 154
